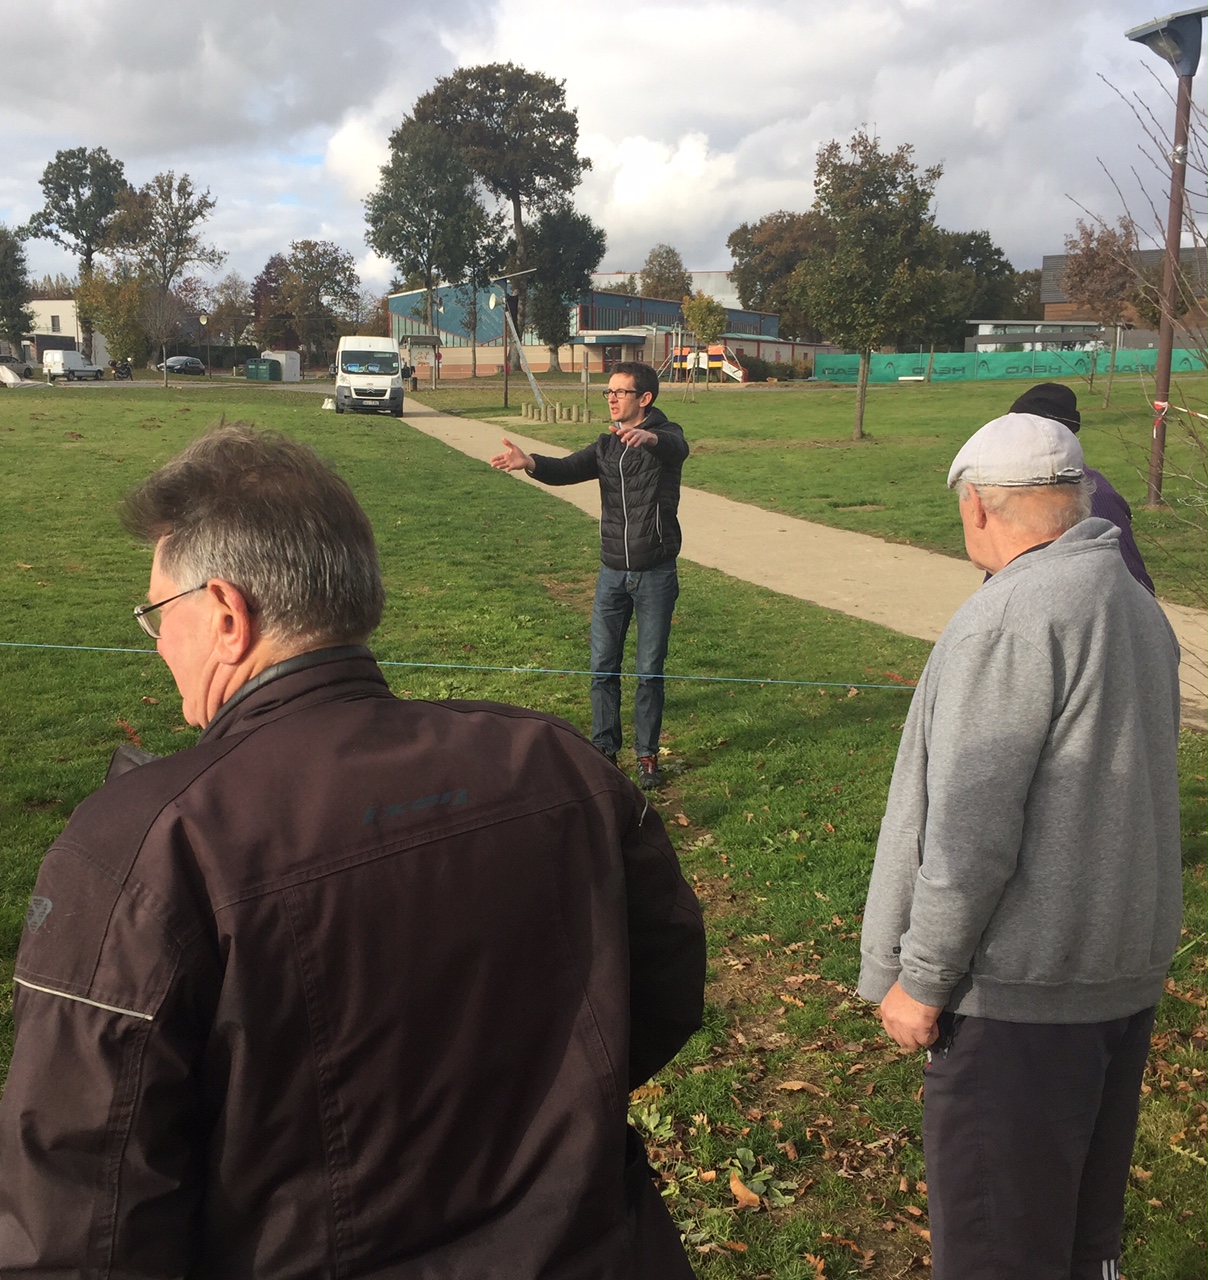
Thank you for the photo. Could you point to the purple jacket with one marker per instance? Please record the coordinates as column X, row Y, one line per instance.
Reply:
column 1109, row 505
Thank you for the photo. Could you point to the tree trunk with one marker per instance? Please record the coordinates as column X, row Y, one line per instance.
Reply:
column 555, row 365
column 857, row 432
column 1094, row 361
column 1111, row 367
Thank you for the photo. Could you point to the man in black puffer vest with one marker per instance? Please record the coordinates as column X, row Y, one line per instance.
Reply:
column 637, row 461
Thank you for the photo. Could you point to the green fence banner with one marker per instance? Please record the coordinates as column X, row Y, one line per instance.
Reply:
column 964, row 366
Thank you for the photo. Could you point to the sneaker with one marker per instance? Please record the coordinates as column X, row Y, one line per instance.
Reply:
column 649, row 778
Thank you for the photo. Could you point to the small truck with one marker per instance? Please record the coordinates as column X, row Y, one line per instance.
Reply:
column 70, row 365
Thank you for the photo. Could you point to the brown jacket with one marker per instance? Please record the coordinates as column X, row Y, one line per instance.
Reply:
column 355, row 987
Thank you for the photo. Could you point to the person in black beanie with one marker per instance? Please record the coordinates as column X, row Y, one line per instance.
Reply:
column 1052, row 400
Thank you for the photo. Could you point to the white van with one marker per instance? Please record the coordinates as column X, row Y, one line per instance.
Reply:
column 369, row 376
column 69, row 365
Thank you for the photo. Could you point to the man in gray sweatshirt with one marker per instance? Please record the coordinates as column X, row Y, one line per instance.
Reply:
column 1026, row 894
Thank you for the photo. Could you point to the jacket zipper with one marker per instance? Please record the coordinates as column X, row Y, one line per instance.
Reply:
column 624, row 504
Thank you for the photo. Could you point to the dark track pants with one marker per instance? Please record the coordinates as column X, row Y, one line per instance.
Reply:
column 1028, row 1133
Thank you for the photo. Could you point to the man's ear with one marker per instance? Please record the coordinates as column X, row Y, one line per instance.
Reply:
column 977, row 508
column 234, row 629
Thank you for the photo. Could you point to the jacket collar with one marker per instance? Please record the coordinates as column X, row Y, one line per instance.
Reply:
column 274, row 685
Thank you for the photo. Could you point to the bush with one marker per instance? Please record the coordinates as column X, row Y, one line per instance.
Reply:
column 760, row 370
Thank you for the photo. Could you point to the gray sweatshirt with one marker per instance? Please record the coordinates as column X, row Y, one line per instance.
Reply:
column 1028, row 867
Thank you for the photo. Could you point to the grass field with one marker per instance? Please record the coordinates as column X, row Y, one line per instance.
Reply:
column 788, row 448
column 775, row 795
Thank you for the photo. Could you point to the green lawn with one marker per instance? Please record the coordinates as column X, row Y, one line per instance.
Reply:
column 775, row 797
column 788, row 447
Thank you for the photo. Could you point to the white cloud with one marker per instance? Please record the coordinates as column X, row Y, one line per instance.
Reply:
column 697, row 115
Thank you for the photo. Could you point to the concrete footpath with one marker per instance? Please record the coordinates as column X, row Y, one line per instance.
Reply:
column 903, row 588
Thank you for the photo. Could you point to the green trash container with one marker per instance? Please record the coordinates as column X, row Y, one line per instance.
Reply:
column 262, row 370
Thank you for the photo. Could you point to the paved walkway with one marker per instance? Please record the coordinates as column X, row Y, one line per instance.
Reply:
column 903, row 588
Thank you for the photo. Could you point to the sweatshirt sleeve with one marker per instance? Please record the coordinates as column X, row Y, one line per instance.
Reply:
column 666, row 950
column 989, row 723
column 573, row 469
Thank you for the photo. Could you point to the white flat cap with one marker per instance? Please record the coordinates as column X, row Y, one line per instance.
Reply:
column 1018, row 450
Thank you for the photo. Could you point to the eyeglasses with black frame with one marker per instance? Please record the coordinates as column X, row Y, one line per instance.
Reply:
column 147, row 615
column 613, row 393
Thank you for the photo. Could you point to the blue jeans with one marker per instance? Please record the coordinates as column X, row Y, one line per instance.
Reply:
column 650, row 595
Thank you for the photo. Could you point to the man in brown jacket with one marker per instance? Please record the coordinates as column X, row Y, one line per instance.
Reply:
column 355, row 986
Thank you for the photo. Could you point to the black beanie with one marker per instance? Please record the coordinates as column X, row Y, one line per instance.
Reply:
column 1051, row 400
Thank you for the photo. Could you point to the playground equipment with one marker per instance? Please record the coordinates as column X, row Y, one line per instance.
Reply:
column 716, row 357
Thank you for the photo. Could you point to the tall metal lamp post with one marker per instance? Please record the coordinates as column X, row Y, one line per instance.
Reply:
column 205, row 321
column 1177, row 39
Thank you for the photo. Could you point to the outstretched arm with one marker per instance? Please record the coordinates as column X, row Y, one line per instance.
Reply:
column 513, row 458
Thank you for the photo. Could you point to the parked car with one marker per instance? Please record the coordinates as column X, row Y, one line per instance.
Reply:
column 22, row 367
column 183, row 364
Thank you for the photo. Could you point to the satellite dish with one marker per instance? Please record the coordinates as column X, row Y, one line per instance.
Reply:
column 493, row 301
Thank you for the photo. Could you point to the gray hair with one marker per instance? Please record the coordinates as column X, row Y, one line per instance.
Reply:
column 266, row 514
column 1048, row 510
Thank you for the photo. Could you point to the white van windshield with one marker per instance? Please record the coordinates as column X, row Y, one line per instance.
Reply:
column 383, row 364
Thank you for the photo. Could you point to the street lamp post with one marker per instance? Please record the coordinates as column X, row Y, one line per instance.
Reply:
column 205, row 321
column 1177, row 39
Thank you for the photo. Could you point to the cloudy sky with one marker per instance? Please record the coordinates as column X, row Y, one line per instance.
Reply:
column 696, row 116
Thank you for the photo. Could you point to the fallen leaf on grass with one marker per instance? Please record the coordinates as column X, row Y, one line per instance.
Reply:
column 153, row 702
column 708, row 1175
column 130, row 731
column 747, row 1199
column 819, row 1265
column 795, row 1086
column 681, row 820
column 20, row 565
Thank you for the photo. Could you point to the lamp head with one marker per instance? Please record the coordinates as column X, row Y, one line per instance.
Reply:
column 1175, row 38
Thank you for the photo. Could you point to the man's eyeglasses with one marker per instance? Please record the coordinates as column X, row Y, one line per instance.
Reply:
column 610, row 394
column 147, row 615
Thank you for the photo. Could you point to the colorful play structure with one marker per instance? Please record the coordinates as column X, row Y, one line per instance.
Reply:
column 717, row 357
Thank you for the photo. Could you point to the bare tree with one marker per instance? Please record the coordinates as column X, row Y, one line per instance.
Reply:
column 163, row 317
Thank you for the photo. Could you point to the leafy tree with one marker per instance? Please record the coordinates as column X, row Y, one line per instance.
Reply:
column 319, row 287
column 1145, row 296
column 81, row 189
column 976, row 282
column 565, row 247
column 766, row 254
column 16, row 319
column 56, row 286
column 876, row 281
column 487, row 254
column 425, row 214
column 628, row 286
column 664, row 275
column 157, row 229
column 273, row 322
column 706, row 317
column 115, row 301
column 369, row 314
column 516, row 133
column 231, row 308
column 1100, row 277
column 1025, row 301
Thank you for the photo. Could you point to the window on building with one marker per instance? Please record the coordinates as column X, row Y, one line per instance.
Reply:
column 55, row 327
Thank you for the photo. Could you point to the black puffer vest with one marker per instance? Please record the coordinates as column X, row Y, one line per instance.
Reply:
column 639, row 492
